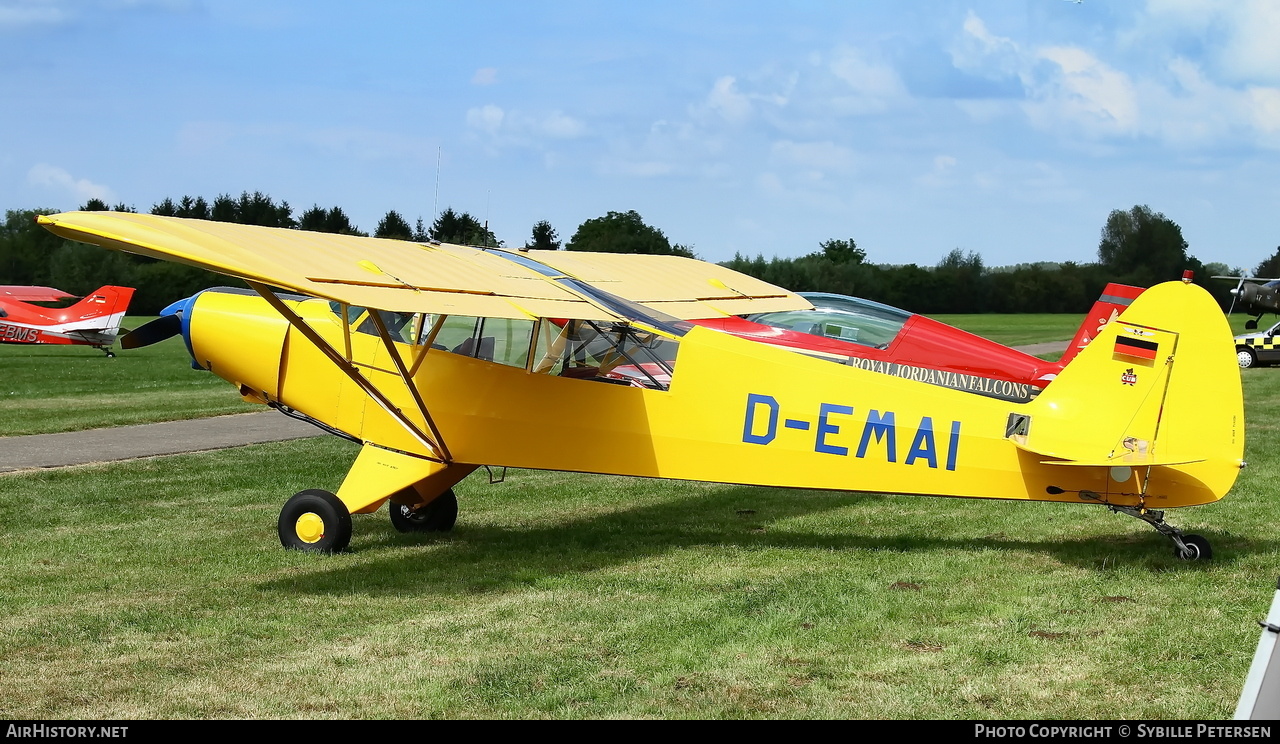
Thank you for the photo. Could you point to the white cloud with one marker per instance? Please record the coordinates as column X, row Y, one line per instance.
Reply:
column 1239, row 37
column 522, row 128
column 725, row 100
column 981, row 52
column 1265, row 109
column 816, row 156
column 1084, row 92
column 1253, row 51
column 942, row 174
column 487, row 118
column 24, row 13
column 635, row 168
column 58, row 179
column 873, row 87
column 560, row 126
column 485, row 76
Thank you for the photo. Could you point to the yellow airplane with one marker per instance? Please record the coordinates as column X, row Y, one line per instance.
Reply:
column 441, row 358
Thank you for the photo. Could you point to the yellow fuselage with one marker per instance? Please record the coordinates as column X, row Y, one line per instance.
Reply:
column 736, row 411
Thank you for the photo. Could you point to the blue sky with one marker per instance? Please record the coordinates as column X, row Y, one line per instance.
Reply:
column 1009, row 128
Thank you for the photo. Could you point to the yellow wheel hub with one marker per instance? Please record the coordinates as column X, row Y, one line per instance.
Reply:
column 309, row 527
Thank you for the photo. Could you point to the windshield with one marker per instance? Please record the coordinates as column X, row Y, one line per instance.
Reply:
column 623, row 307
column 841, row 317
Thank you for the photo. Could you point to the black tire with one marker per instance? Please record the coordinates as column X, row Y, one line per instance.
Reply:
column 1246, row 357
column 315, row 521
column 1197, row 549
column 437, row 516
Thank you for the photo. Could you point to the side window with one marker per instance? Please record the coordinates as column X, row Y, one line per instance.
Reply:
column 458, row 334
column 405, row 328
column 511, row 339
column 604, row 352
column 399, row 325
column 498, row 340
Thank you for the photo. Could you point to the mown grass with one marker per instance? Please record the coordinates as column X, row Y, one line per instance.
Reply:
column 50, row 388
column 1031, row 328
column 1019, row 329
column 157, row 588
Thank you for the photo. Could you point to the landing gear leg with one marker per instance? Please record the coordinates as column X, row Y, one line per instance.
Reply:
column 1186, row 547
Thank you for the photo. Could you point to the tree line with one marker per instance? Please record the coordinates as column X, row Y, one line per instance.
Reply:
column 1137, row 246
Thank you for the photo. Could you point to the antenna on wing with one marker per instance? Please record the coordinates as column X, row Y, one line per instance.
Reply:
column 435, row 208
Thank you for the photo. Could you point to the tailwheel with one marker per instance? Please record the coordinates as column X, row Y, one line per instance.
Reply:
column 315, row 521
column 1187, row 547
column 437, row 516
column 1194, row 548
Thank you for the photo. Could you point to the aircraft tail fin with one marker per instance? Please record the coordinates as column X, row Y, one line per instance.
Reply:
column 1114, row 300
column 1158, row 387
column 107, row 303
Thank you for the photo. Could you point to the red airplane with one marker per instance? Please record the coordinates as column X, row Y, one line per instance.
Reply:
column 93, row 321
column 886, row 339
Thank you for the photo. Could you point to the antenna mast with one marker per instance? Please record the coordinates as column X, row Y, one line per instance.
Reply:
column 435, row 208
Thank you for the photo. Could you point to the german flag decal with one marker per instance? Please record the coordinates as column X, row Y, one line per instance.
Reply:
column 1136, row 348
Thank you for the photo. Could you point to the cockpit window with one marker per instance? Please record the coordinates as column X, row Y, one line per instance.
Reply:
column 404, row 328
column 617, row 353
column 605, row 352
column 837, row 324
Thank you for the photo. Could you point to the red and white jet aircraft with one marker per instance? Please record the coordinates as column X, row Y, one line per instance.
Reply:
column 93, row 321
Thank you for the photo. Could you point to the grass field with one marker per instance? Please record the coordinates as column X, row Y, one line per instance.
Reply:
column 157, row 589
column 66, row 388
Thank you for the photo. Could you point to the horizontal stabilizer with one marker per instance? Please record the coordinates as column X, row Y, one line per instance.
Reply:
column 1131, row 459
column 32, row 294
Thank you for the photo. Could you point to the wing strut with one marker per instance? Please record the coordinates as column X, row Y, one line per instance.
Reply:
column 405, row 377
column 441, row 454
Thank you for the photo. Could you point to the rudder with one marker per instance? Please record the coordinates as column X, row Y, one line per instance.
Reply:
column 1159, row 386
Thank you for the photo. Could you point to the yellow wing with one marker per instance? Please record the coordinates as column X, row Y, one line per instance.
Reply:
column 682, row 287
column 434, row 278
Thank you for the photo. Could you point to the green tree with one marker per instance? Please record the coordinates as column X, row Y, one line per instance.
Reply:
column 1269, row 267
column 461, row 229
column 193, row 208
column 623, row 232
column 544, row 237
column 252, row 209
column 841, row 251
column 1144, row 247
column 79, row 268
column 332, row 220
column 392, row 225
column 26, row 248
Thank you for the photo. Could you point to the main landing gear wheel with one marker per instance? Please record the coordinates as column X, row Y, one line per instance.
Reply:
column 1197, row 549
column 437, row 516
column 1246, row 358
column 315, row 521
